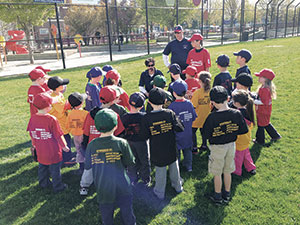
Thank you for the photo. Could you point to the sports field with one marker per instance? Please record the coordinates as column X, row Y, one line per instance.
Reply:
column 272, row 196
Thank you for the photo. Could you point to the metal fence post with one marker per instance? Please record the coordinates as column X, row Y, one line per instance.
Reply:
column 298, row 22
column 242, row 19
column 177, row 12
column 117, row 24
column 286, row 17
column 294, row 18
column 277, row 17
column 266, row 22
column 202, row 17
column 59, row 35
column 108, row 30
column 254, row 24
column 147, row 27
column 222, row 25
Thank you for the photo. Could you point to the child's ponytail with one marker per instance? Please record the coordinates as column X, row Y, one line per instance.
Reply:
column 205, row 77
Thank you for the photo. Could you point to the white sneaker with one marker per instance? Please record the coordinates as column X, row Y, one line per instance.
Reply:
column 83, row 191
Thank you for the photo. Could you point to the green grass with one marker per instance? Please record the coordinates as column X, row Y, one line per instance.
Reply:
column 272, row 196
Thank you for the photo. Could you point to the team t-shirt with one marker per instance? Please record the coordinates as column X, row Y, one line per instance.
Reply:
column 132, row 125
column 224, row 79
column 93, row 99
column 243, row 141
column 75, row 121
column 160, row 126
column 33, row 91
column 46, row 135
column 201, row 103
column 222, row 127
column 146, row 79
column 244, row 69
column 108, row 157
column 185, row 111
column 199, row 58
column 263, row 112
column 179, row 50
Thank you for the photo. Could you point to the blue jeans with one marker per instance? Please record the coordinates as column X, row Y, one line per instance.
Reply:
column 187, row 158
column 67, row 156
column 126, row 210
column 53, row 170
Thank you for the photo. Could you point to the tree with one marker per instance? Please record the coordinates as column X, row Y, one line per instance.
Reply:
column 25, row 17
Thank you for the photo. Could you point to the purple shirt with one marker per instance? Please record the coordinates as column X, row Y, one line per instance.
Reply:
column 92, row 99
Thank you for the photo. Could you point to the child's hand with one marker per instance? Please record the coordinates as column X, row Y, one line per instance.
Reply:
column 67, row 106
column 66, row 149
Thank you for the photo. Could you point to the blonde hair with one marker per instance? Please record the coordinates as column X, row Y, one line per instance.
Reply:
column 205, row 77
column 269, row 84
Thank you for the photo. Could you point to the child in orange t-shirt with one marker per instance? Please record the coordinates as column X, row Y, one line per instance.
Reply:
column 75, row 121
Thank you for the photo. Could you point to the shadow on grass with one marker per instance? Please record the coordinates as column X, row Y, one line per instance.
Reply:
column 9, row 168
column 6, row 152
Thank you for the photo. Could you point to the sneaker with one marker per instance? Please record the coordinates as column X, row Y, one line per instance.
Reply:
column 203, row 148
column 65, row 186
column 83, row 191
column 189, row 170
column 195, row 151
column 217, row 201
column 70, row 163
column 256, row 142
column 253, row 172
column 276, row 139
column 226, row 198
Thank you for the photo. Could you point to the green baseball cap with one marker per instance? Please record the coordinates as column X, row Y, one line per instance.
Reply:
column 159, row 81
column 106, row 120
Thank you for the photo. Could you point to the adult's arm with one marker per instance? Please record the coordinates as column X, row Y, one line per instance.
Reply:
column 166, row 60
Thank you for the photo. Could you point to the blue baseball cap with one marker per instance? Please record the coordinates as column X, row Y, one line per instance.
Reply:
column 244, row 53
column 94, row 72
column 107, row 68
column 137, row 99
column 223, row 60
column 178, row 28
column 175, row 69
column 179, row 86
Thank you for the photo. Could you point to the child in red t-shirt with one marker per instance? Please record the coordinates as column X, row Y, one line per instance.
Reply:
column 198, row 56
column 191, row 80
column 48, row 140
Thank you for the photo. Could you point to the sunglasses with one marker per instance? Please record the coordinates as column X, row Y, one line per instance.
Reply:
column 177, row 32
column 150, row 65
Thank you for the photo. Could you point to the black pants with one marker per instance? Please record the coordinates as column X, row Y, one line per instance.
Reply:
column 204, row 141
column 260, row 133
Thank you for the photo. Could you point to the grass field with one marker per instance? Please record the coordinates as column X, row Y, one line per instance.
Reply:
column 272, row 196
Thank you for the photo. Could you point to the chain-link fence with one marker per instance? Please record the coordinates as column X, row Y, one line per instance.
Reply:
column 51, row 31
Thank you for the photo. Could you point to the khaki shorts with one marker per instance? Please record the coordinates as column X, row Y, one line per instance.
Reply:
column 221, row 159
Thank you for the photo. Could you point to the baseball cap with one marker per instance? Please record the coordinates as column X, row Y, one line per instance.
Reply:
column 179, row 86
column 159, row 81
column 42, row 101
column 244, row 53
column 157, row 96
column 190, row 70
column 175, row 69
column 55, row 82
column 218, row 94
column 107, row 68
column 94, row 72
column 117, row 89
column 36, row 74
column 267, row 73
column 178, row 28
column 105, row 120
column 137, row 99
column 107, row 94
column 42, row 68
column 244, row 79
column 196, row 37
column 113, row 74
column 76, row 99
column 223, row 60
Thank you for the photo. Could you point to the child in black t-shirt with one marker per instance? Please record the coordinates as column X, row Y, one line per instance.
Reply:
column 159, row 126
column 139, row 147
column 224, row 77
column 221, row 129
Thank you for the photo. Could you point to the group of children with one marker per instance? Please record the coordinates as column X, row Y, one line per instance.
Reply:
column 114, row 146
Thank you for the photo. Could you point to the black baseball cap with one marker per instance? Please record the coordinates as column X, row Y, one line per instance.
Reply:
column 223, row 60
column 244, row 53
column 175, row 69
column 137, row 99
column 218, row 94
column 55, row 82
column 76, row 99
column 244, row 79
column 157, row 96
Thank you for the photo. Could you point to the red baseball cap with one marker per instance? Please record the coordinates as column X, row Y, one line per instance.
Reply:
column 113, row 74
column 42, row 68
column 107, row 94
column 42, row 101
column 190, row 70
column 267, row 73
column 196, row 37
column 36, row 74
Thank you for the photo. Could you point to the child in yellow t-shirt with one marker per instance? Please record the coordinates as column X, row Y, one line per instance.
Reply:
column 75, row 121
column 60, row 109
column 201, row 102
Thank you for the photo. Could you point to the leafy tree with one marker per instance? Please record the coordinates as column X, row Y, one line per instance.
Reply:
column 25, row 17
